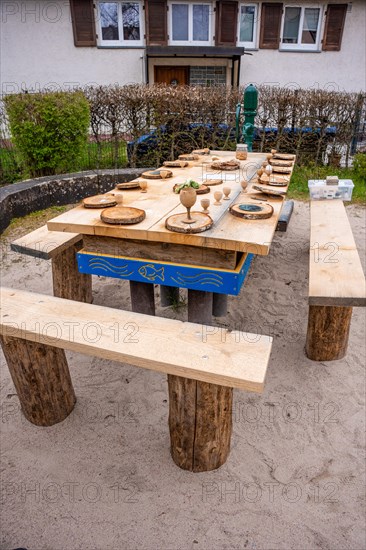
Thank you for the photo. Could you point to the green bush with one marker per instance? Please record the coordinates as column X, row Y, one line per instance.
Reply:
column 359, row 165
column 49, row 129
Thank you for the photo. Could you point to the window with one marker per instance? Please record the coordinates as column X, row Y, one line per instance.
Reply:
column 248, row 17
column 190, row 23
column 120, row 23
column 300, row 28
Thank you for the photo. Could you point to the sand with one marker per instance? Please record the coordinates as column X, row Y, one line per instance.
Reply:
column 104, row 478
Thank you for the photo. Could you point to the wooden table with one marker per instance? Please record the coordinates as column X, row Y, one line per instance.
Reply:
column 210, row 265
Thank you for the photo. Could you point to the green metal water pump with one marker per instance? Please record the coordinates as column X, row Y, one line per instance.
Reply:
column 249, row 108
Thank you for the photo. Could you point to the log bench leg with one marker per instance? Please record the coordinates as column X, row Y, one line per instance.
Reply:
column 67, row 281
column 42, row 380
column 328, row 331
column 169, row 295
column 200, row 414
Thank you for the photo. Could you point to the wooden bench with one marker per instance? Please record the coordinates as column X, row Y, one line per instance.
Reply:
column 61, row 249
column 35, row 329
column 336, row 281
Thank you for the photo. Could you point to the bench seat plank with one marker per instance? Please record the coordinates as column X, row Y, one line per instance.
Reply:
column 336, row 274
column 45, row 244
column 209, row 354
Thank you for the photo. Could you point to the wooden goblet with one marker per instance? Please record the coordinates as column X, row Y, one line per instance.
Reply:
column 188, row 197
column 218, row 197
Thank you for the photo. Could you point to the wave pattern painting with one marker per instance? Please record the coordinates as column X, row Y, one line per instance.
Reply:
column 207, row 278
column 103, row 264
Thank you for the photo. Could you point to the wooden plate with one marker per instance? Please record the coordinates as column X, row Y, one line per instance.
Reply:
column 251, row 210
column 276, row 181
column 211, row 183
column 203, row 189
column 279, row 162
column 128, row 185
column 156, row 174
column 281, row 169
column 203, row 222
column 226, row 165
column 269, row 191
column 122, row 215
column 175, row 163
column 188, row 157
column 205, row 151
column 99, row 201
column 284, row 156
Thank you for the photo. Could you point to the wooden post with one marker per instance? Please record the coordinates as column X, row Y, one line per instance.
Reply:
column 219, row 305
column 42, row 380
column 169, row 295
column 67, row 281
column 142, row 297
column 328, row 331
column 200, row 307
column 200, row 414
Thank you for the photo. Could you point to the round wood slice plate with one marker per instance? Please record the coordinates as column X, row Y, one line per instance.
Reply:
column 202, row 222
column 276, row 181
column 252, row 210
column 226, row 165
column 269, row 191
column 128, row 185
column 278, row 162
column 190, row 156
column 203, row 189
column 122, row 215
column 156, row 174
column 284, row 156
column 175, row 163
column 211, row 183
column 205, row 151
column 281, row 169
column 99, row 201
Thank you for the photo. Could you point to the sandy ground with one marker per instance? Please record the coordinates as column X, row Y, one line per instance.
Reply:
column 104, row 479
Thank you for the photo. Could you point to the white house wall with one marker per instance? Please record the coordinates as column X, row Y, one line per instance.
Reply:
column 344, row 70
column 37, row 50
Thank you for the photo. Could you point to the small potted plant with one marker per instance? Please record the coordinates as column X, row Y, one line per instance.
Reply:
column 186, row 185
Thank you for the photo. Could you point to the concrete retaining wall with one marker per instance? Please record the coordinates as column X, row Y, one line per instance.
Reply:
column 20, row 199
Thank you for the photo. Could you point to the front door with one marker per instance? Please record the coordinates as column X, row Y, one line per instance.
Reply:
column 173, row 76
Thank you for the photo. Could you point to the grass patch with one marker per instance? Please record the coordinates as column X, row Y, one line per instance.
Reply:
column 94, row 156
column 299, row 181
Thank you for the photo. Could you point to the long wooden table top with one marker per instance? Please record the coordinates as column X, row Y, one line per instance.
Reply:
column 160, row 202
column 336, row 276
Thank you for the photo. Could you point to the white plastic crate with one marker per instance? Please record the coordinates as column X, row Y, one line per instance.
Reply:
column 320, row 190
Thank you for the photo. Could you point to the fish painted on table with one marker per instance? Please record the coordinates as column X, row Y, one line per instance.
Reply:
column 148, row 271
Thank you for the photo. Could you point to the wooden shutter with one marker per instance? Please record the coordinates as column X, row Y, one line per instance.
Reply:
column 271, row 15
column 226, row 23
column 156, row 22
column 83, row 24
column 334, row 24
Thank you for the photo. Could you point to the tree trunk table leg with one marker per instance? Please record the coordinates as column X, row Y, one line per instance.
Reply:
column 142, row 297
column 42, row 380
column 219, row 305
column 328, row 331
column 169, row 295
column 200, row 414
column 67, row 281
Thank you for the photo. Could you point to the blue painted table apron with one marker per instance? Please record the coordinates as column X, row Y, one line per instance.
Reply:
column 193, row 277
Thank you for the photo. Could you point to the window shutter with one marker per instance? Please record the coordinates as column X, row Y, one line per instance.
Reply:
column 156, row 23
column 226, row 23
column 334, row 24
column 83, row 24
column 271, row 15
